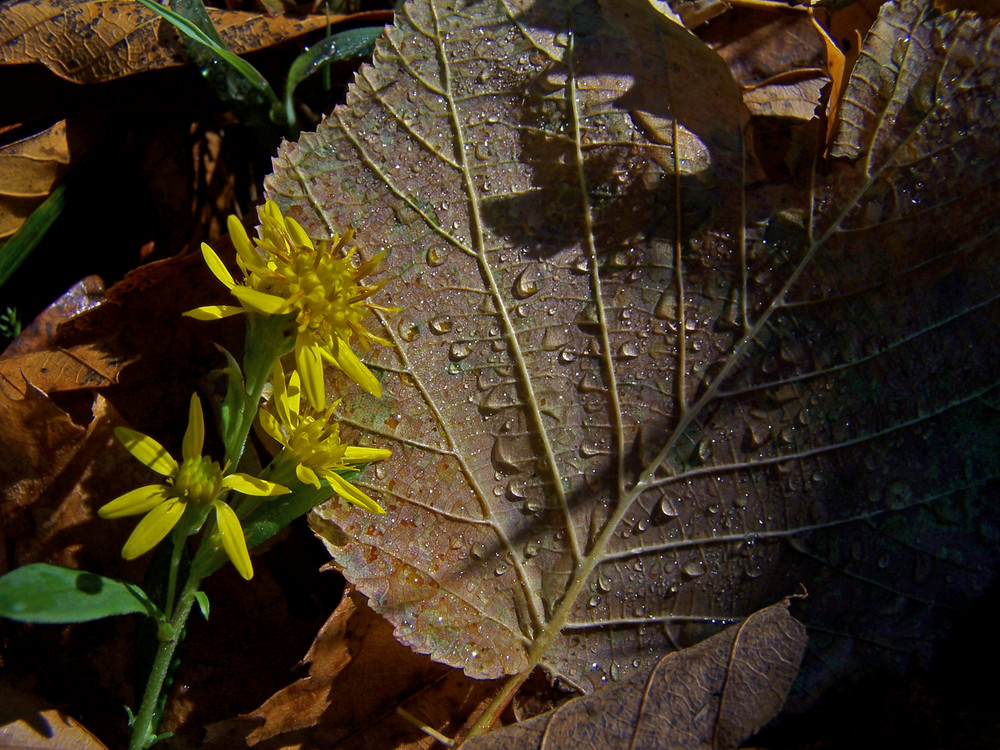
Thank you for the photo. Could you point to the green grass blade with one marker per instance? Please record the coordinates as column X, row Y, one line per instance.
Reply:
column 23, row 242
column 343, row 45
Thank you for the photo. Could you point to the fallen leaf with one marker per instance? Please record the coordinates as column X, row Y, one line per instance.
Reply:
column 100, row 40
column 358, row 675
column 29, row 723
column 634, row 395
column 29, row 169
column 713, row 695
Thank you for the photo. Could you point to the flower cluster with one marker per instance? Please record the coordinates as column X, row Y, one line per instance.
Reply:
column 193, row 485
column 286, row 273
column 321, row 301
column 312, row 441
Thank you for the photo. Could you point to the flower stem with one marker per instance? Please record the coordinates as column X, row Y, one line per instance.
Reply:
column 144, row 727
column 267, row 340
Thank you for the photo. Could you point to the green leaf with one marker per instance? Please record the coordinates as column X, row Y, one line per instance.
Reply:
column 344, row 45
column 236, row 82
column 53, row 594
column 202, row 599
column 638, row 390
column 22, row 243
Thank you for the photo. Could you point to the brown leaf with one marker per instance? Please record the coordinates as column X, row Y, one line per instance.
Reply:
column 29, row 169
column 634, row 391
column 711, row 696
column 27, row 723
column 358, row 674
column 99, row 40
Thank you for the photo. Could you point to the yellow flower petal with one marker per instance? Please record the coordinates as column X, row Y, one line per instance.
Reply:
column 309, row 363
column 214, row 312
column 147, row 450
column 351, row 493
column 271, row 426
column 354, row 368
column 194, row 436
column 216, row 266
column 240, row 240
column 141, row 500
column 307, row 475
column 260, row 301
column 355, row 454
column 297, row 233
column 249, row 485
column 150, row 530
column 233, row 541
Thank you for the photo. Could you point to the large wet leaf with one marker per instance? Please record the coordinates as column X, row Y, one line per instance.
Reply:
column 636, row 390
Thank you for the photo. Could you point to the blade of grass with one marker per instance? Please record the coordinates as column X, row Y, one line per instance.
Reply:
column 190, row 30
column 344, row 45
column 23, row 242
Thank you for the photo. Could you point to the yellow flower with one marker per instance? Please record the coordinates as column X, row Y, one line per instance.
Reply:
column 195, row 480
column 313, row 442
column 287, row 274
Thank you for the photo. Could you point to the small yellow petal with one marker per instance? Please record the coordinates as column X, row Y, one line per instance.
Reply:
column 216, row 266
column 150, row 530
column 141, row 500
column 233, row 541
column 309, row 363
column 355, row 454
column 147, row 450
column 307, row 475
column 271, row 426
column 194, row 436
column 214, row 312
column 298, row 234
column 351, row 493
column 355, row 369
column 260, row 301
column 239, row 237
column 249, row 485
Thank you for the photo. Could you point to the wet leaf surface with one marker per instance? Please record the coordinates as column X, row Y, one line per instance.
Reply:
column 636, row 392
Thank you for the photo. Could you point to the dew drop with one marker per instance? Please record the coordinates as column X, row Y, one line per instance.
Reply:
column 517, row 490
column 460, row 350
column 478, row 551
column 628, row 350
column 553, row 338
column 603, row 582
column 667, row 508
column 666, row 306
column 694, row 568
column 440, row 324
column 503, row 454
column 525, row 286
column 435, row 256
column 408, row 330
column 566, row 356
column 501, row 568
column 593, row 601
column 531, row 548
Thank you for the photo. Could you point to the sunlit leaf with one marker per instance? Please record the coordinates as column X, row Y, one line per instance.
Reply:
column 637, row 391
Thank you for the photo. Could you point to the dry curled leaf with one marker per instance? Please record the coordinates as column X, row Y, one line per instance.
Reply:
column 711, row 696
column 29, row 169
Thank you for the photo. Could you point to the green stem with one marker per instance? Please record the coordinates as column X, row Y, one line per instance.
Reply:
column 146, row 721
column 268, row 339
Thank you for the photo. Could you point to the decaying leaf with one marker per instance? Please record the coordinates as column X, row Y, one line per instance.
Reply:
column 635, row 395
column 29, row 169
column 100, row 40
column 357, row 675
column 710, row 696
column 30, row 724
